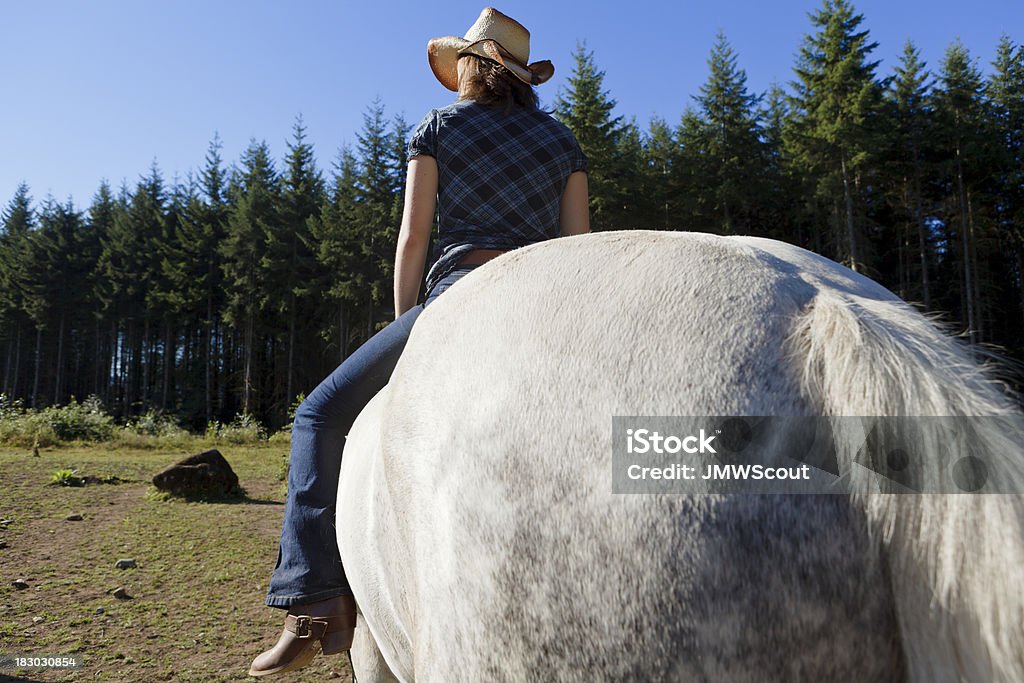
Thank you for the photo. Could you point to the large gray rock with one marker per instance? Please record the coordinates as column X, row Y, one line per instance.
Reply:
column 204, row 473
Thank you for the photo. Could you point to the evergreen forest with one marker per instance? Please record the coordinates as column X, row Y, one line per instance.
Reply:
column 240, row 287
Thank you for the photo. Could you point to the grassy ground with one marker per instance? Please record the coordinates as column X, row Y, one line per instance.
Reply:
column 195, row 611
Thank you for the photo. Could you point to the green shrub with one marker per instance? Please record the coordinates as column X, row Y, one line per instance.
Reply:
column 10, row 407
column 155, row 423
column 85, row 421
column 244, row 429
column 66, row 478
column 88, row 422
column 213, row 428
column 180, row 440
column 294, row 408
column 13, row 428
column 282, row 437
column 241, row 430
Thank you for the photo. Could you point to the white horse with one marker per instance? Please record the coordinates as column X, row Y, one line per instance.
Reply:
column 483, row 542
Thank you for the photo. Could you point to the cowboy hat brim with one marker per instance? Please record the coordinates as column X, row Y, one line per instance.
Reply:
column 443, row 55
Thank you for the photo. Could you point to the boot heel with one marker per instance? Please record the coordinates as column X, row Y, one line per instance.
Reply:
column 338, row 641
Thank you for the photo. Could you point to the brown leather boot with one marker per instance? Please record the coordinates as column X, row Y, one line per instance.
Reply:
column 328, row 624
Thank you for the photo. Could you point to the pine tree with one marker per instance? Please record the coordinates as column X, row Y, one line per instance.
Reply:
column 213, row 236
column 633, row 206
column 337, row 234
column 129, row 264
column 735, row 156
column 100, row 223
column 165, row 303
column 54, row 289
column 289, row 263
column 783, row 209
column 18, row 220
column 254, row 210
column 961, row 110
column 586, row 108
column 909, row 116
column 694, row 211
column 377, row 184
column 1006, row 93
column 836, row 102
column 660, row 156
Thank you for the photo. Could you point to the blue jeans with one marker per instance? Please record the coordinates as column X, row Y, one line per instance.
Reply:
column 308, row 566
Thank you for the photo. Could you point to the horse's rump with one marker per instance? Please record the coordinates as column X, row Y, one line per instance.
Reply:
column 477, row 522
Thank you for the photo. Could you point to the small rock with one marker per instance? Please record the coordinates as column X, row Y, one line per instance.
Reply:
column 74, row 518
column 99, row 610
column 125, row 563
column 121, row 594
column 20, row 584
column 5, row 522
column 3, row 544
column 37, row 620
column 334, row 674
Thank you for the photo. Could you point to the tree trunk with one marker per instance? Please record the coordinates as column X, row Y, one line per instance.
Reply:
column 342, row 332
column 116, row 363
column 39, row 360
column 7, row 369
column 128, row 347
column 967, row 247
column 60, row 361
column 190, row 344
column 76, row 384
column 170, row 352
column 922, row 232
column 1020, row 280
column 225, row 344
column 145, row 356
column 291, row 351
column 902, row 265
column 17, row 362
column 979, row 302
column 922, row 240
column 816, row 231
column 369, row 316
column 100, row 361
column 247, row 377
column 848, row 198
column 112, row 380
column 207, row 359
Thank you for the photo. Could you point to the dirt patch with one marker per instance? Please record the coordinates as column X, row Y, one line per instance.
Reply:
column 195, row 607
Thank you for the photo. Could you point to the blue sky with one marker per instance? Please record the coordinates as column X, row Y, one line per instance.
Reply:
column 100, row 89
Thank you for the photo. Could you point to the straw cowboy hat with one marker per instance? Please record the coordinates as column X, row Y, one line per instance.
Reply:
column 494, row 36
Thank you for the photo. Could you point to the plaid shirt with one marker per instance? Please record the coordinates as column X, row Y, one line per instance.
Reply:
column 500, row 177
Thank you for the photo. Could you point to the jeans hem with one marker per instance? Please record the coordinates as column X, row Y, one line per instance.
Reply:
column 285, row 601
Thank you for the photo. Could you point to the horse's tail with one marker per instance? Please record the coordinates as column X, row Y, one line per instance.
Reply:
column 956, row 561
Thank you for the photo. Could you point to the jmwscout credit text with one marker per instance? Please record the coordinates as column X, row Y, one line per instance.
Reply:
column 731, row 454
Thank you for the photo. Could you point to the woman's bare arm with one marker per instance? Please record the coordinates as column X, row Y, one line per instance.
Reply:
column 414, row 236
column 574, row 215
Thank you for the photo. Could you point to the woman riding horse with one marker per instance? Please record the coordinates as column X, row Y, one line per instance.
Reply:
column 501, row 175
